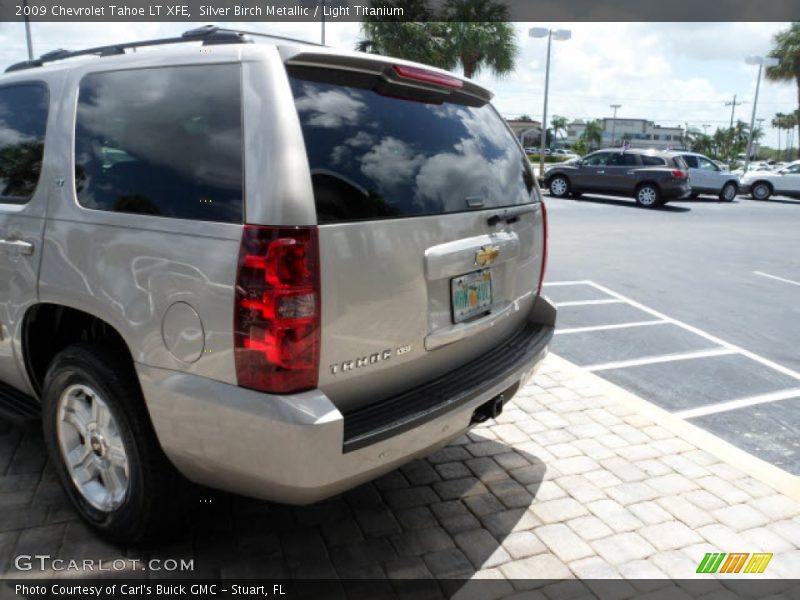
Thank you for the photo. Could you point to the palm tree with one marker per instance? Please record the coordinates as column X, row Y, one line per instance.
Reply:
column 474, row 34
column 479, row 36
column 413, row 37
column 787, row 51
column 559, row 124
column 579, row 147
column 704, row 145
column 721, row 142
column 777, row 123
column 790, row 121
column 690, row 138
column 593, row 134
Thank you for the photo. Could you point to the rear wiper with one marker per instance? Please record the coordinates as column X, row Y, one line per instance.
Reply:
column 510, row 215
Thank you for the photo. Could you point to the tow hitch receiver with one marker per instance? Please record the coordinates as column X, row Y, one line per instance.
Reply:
column 489, row 410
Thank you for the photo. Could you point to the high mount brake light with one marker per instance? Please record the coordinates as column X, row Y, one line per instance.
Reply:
column 277, row 309
column 426, row 76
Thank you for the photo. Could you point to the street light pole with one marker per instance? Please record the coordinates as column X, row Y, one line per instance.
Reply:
column 550, row 34
column 543, row 136
column 322, row 36
column 614, row 123
column 28, row 30
column 760, row 61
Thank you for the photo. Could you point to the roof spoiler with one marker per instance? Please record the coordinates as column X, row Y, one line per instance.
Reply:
column 393, row 77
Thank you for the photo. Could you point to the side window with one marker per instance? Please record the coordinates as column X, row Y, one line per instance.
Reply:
column 705, row 164
column 623, row 160
column 23, row 119
column 653, row 161
column 691, row 161
column 597, row 160
column 165, row 141
column 793, row 169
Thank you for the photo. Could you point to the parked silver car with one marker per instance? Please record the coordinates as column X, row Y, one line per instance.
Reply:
column 277, row 269
column 707, row 177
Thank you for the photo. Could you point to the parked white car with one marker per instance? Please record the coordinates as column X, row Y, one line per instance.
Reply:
column 706, row 177
column 763, row 184
column 565, row 153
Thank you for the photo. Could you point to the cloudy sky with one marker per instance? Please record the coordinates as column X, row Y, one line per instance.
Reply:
column 671, row 73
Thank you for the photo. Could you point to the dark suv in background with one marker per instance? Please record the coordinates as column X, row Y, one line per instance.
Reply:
column 651, row 178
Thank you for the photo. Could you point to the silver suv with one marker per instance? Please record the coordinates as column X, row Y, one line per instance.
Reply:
column 275, row 269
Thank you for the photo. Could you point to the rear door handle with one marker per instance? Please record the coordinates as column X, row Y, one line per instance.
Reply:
column 601, row 172
column 17, row 246
column 631, row 173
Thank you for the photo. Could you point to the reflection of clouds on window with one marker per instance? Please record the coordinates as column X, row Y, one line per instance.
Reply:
column 330, row 109
column 12, row 137
column 447, row 179
column 162, row 141
column 412, row 158
column 391, row 163
column 147, row 121
column 343, row 153
column 480, row 124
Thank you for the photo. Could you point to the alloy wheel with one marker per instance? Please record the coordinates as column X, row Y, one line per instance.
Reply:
column 92, row 447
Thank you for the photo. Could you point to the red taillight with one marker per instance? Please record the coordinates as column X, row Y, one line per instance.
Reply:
column 545, row 233
column 679, row 174
column 418, row 74
column 277, row 312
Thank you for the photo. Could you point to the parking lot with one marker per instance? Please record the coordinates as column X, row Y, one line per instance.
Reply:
column 694, row 307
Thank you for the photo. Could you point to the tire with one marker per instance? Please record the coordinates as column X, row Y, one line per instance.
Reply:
column 119, row 481
column 761, row 191
column 559, row 186
column 648, row 195
column 728, row 192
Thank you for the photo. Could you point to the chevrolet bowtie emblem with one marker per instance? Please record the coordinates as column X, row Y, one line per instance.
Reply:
column 486, row 255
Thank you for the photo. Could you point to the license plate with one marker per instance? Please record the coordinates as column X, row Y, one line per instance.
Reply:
column 471, row 294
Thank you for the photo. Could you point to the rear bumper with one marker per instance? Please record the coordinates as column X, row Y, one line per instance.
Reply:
column 683, row 190
column 292, row 448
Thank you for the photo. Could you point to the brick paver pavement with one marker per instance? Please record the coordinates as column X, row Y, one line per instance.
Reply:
column 569, row 482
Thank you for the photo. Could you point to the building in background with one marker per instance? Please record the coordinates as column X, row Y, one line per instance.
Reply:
column 639, row 133
column 527, row 131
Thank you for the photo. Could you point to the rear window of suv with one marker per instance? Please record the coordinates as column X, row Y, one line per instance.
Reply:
column 163, row 141
column 375, row 157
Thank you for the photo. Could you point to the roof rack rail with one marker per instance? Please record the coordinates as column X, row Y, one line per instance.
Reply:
column 208, row 34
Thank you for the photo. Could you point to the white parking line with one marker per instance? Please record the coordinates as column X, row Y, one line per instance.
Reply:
column 662, row 358
column 797, row 283
column 559, row 283
column 712, row 338
column 607, row 327
column 589, row 302
column 719, row 407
